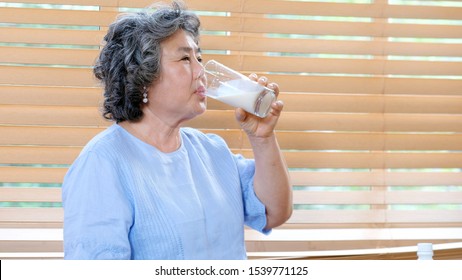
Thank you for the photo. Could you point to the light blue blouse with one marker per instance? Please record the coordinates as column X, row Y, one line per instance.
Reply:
column 124, row 199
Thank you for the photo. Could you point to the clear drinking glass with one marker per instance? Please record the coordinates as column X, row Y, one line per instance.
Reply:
column 235, row 89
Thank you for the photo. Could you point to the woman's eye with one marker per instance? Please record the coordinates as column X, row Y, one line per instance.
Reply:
column 188, row 58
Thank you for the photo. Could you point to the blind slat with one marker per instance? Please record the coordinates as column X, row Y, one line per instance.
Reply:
column 32, row 215
column 365, row 103
column 49, row 95
column 293, row 102
column 317, row 9
column 377, row 198
column 51, row 115
column 306, row 179
column 57, row 17
column 51, row 36
column 356, row 234
column 218, row 6
column 47, row 76
column 221, row 119
column 81, row 57
column 30, row 194
column 375, row 178
column 244, row 43
column 301, row 159
column 70, row 2
column 367, row 141
column 245, row 24
column 54, row 215
column 347, row 66
column 50, row 136
column 38, row 155
column 322, row 46
column 376, row 216
column 32, row 174
column 21, row 55
column 304, row 27
column 358, row 160
column 371, row 85
column 351, row 10
column 366, row 122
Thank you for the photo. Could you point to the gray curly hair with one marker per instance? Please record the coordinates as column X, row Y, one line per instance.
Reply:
column 130, row 58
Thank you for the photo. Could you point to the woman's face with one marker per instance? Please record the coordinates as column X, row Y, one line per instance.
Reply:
column 179, row 93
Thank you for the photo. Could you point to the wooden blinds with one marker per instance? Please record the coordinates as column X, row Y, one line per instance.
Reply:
column 371, row 130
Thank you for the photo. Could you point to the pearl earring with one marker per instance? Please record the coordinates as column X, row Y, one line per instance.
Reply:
column 145, row 95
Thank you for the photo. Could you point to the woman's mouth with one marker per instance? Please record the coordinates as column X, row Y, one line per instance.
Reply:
column 201, row 91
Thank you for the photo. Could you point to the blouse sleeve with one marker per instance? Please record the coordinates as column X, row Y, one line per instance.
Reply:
column 97, row 210
column 254, row 209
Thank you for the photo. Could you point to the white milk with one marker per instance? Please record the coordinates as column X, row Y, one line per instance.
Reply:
column 244, row 94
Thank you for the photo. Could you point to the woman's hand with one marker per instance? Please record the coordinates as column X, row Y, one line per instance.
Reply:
column 261, row 127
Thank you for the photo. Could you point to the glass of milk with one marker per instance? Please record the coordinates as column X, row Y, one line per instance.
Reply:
column 233, row 88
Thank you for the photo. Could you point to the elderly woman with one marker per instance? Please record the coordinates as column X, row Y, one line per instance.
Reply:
column 148, row 188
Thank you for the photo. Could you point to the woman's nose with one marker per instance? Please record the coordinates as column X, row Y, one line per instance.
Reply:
column 201, row 71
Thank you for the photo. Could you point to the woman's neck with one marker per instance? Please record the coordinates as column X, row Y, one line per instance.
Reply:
column 163, row 137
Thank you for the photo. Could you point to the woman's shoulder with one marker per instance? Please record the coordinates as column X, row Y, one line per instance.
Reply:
column 105, row 142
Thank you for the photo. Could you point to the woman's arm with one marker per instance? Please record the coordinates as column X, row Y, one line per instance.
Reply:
column 97, row 212
column 271, row 181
